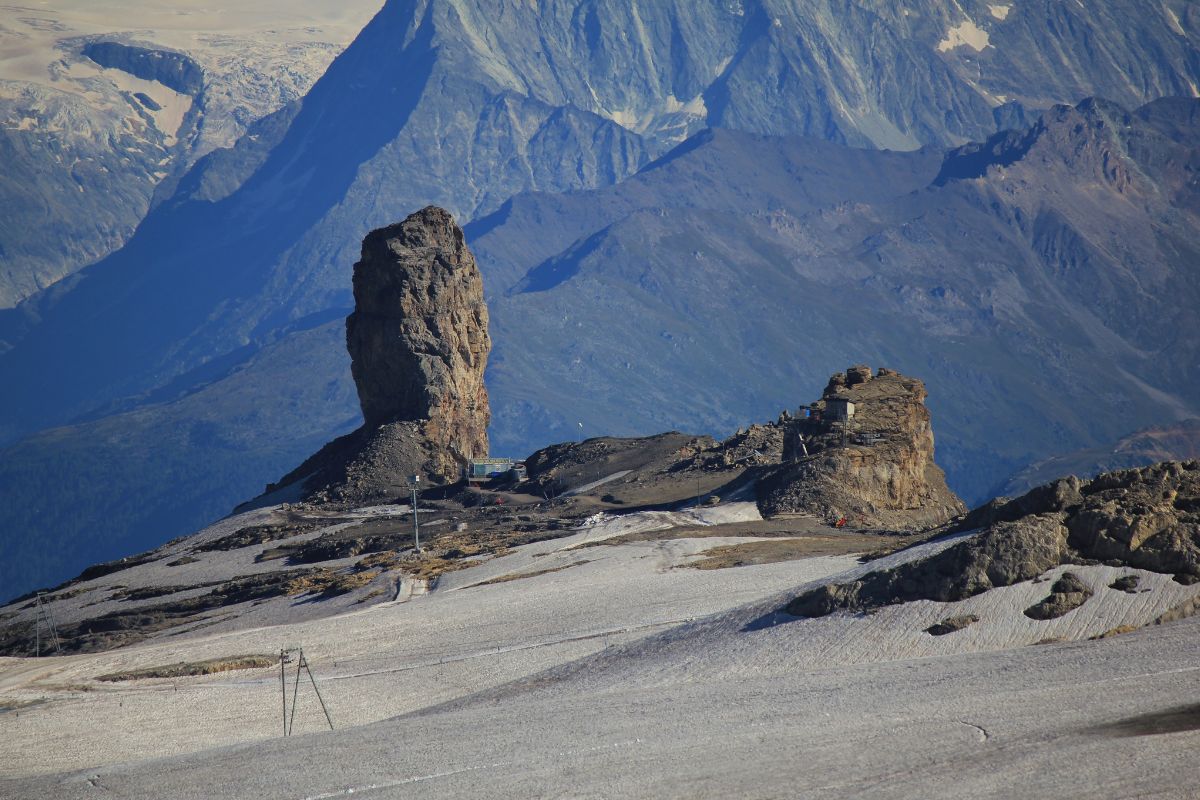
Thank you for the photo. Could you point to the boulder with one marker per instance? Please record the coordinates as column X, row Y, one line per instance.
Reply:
column 859, row 373
column 1067, row 594
column 1146, row 518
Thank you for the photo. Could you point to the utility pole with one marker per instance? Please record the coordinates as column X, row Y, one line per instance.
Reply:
column 413, row 483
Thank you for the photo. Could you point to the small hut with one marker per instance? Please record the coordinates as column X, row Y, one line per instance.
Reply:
column 839, row 409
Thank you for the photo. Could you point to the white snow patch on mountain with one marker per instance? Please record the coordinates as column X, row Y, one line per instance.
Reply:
column 967, row 34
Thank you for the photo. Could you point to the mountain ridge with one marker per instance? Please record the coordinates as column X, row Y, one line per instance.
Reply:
column 241, row 257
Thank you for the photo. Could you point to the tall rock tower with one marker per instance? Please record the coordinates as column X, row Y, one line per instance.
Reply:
column 418, row 336
column 419, row 344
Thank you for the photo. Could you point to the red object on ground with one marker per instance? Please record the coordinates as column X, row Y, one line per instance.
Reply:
column 841, row 523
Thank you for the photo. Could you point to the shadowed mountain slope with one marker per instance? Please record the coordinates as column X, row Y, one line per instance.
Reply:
column 717, row 285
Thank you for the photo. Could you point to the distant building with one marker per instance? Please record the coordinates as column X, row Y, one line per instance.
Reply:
column 839, row 409
column 485, row 469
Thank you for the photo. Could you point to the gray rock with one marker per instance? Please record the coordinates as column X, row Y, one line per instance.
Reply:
column 1067, row 594
column 1144, row 518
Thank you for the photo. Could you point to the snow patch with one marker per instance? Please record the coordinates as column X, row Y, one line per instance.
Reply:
column 599, row 527
column 1000, row 12
column 968, row 34
column 656, row 119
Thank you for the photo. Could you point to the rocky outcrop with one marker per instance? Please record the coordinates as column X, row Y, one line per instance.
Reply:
column 757, row 445
column 1141, row 518
column 418, row 344
column 863, row 453
column 1067, row 594
column 418, row 337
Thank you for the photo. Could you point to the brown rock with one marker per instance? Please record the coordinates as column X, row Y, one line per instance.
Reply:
column 837, row 382
column 1145, row 518
column 418, row 337
column 1067, row 594
column 951, row 624
column 418, row 344
column 1001, row 556
column 876, row 471
column 1126, row 583
column 860, row 373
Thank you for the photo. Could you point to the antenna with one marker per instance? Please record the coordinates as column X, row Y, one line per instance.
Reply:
column 414, row 483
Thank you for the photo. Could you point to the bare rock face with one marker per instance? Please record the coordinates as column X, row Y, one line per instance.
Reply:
column 874, row 468
column 1145, row 518
column 418, row 337
column 1067, row 594
column 418, row 343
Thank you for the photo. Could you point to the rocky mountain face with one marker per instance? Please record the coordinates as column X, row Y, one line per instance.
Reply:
column 466, row 104
column 1142, row 518
column 96, row 120
column 418, row 344
column 1067, row 252
column 863, row 455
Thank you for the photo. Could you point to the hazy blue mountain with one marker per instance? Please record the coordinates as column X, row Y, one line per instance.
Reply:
column 1043, row 284
column 94, row 124
column 606, row 306
column 1179, row 441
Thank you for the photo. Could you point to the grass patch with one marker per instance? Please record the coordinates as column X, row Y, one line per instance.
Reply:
column 771, row 551
column 1117, row 631
column 187, row 669
column 330, row 583
column 516, row 576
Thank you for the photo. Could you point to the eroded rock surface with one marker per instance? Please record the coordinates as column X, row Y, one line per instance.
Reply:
column 1067, row 594
column 1145, row 518
column 418, row 343
column 875, row 468
column 418, row 337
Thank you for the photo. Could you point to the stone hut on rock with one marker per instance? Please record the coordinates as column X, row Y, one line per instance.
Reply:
column 879, row 474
